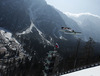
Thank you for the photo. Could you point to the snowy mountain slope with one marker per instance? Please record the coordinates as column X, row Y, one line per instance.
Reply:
column 29, row 30
column 86, row 72
column 9, row 44
column 18, row 16
column 36, row 25
column 89, row 23
column 35, row 20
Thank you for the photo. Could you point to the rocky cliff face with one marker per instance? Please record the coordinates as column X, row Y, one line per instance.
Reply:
column 9, row 46
column 35, row 20
column 36, row 26
column 17, row 16
column 13, row 15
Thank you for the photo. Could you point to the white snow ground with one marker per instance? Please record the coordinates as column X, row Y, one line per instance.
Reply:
column 95, row 71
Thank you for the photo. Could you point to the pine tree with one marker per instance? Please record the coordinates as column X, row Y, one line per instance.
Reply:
column 77, row 50
column 89, row 47
column 51, row 63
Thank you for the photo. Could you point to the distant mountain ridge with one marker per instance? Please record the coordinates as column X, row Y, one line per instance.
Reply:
column 20, row 14
column 35, row 27
column 89, row 23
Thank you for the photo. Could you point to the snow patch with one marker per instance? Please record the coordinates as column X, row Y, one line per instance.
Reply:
column 95, row 71
column 6, row 35
column 61, row 37
column 80, row 14
column 28, row 30
column 32, row 18
column 40, row 33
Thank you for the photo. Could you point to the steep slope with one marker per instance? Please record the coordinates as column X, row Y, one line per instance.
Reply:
column 36, row 26
column 17, row 17
column 9, row 46
column 13, row 15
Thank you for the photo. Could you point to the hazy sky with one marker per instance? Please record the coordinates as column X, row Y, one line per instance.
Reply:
column 77, row 6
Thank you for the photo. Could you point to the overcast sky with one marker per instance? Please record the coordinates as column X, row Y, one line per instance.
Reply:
column 77, row 6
